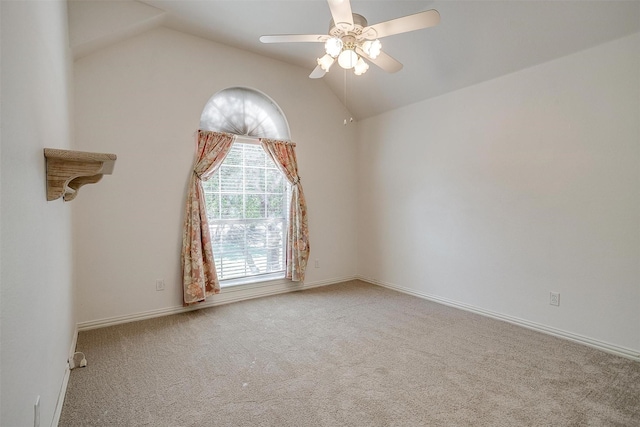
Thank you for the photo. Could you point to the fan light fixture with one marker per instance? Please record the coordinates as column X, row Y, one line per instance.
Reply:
column 326, row 62
column 347, row 59
column 353, row 42
column 333, row 47
column 372, row 48
column 347, row 56
column 360, row 68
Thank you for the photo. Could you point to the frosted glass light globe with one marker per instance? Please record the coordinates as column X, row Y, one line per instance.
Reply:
column 325, row 62
column 361, row 67
column 333, row 47
column 372, row 48
column 347, row 59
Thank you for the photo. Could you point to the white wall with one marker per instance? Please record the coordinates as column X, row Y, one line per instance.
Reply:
column 36, row 274
column 142, row 99
column 497, row 194
column 96, row 24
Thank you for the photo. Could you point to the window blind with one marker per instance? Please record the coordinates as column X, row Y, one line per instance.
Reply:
column 247, row 210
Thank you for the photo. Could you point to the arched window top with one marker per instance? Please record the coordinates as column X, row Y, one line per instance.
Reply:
column 245, row 111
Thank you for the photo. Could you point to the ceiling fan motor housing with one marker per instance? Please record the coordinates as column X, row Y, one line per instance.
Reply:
column 344, row 29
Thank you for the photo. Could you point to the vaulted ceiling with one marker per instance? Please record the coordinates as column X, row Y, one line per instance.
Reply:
column 475, row 40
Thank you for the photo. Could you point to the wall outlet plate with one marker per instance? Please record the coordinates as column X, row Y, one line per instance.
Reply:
column 554, row 298
column 160, row 285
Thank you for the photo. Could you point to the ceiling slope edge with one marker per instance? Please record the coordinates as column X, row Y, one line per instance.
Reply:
column 94, row 25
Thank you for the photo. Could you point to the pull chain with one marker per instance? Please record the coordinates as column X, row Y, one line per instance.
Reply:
column 345, row 98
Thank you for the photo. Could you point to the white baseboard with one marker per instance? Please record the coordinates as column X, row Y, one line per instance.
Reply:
column 65, row 381
column 600, row 345
column 226, row 296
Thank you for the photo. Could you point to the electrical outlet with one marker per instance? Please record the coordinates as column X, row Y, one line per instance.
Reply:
column 36, row 413
column 554, row 298
column 160, row 285
column 317, row 263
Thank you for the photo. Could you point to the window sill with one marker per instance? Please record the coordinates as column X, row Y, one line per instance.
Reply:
column 254, row 281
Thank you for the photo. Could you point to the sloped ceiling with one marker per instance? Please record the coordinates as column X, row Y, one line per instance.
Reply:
column 475, row 41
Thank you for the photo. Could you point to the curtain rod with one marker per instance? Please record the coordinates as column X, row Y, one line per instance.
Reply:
column 245, row 139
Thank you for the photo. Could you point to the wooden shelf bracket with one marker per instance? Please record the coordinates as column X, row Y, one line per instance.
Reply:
column 68, row 170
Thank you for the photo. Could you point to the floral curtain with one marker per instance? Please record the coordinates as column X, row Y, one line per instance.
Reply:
column 199, row 277
column 283, row 155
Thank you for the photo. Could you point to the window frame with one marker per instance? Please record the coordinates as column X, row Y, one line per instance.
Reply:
column 283, row 220
column 249, row 114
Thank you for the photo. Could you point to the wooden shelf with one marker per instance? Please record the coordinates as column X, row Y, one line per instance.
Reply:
column 68, row 170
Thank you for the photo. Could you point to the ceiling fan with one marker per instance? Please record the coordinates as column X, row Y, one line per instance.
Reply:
column 351, row 39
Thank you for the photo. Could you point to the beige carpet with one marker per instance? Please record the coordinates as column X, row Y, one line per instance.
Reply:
column 351, row 354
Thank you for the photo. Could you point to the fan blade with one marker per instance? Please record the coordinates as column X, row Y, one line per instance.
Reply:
column 294, row 38
column 341, row 14
column 418, row 21
column 384, row 61
column 317, row 73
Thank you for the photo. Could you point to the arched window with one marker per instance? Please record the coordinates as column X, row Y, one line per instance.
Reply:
column 244, row 111
column 247, row 197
